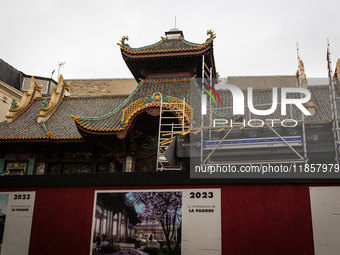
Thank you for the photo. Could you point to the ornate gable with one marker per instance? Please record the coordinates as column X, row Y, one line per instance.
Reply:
column 16, row 109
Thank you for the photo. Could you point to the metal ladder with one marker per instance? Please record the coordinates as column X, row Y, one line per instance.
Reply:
column 168, row 130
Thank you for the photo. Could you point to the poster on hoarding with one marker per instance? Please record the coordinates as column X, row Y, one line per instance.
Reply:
column 325, row 209
column 16, row 213
column 184, row 221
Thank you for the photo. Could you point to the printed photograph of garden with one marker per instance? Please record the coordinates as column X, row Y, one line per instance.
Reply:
column 137, row 223
column 3, row 209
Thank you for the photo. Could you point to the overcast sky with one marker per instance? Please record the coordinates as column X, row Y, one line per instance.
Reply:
column 253, row 37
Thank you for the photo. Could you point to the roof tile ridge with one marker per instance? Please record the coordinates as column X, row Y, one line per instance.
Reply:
column 46, row 129
column 100, row 129
column 27, row 100
column 208, row 41
column 125, row 123
column 47, row 110
column 79, row 118
column 95, row 97
column 23, row 138
column 148, row 46
column 191, row 43
column 66, row 138
column 47, row 136
column 167, row 80
column 170, row 50
column 125, row 46
column 318, row 87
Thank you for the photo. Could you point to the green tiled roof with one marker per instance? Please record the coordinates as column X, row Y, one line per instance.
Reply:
column 60, row 124
column 104, row 113
column 178, row 88
column 25, row 126
column 87, row 107
column 168, row 45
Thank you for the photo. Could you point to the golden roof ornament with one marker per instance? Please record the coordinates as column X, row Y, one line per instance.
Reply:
column 337, row 69
column 211, row 33
column 304, row 84
column 124, row 38
column 302, row 68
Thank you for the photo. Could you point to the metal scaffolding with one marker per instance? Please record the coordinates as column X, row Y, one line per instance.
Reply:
column 333, row 100
column 210, row 146
column 168, row 129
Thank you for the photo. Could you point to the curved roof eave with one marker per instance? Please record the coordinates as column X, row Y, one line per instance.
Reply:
column 166, row 54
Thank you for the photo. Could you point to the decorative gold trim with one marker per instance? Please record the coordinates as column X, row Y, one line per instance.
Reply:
column 337, row 69
column 56, row 100
column 168, row 80
column 34, row 91
column 91, row 97
column 40, row 138
column 27, row 96
column 194, row 48
column 136, row 107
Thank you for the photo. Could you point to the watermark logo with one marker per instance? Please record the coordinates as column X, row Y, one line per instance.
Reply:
column 238, row 100
column 213, row 90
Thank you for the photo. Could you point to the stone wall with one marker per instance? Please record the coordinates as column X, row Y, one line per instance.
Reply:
column 101, row 87
column 262, row 82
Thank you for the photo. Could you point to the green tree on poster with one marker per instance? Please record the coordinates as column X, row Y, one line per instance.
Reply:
column 165, row 208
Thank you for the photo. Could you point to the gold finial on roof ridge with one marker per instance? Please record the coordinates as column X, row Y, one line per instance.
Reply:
column 124, row 38
column 56, row 99
column 337, row 68
column 211, row 33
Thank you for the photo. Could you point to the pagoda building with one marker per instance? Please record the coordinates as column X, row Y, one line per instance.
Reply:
column 116, row 133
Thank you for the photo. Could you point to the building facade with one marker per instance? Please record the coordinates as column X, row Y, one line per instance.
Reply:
column 65, row 148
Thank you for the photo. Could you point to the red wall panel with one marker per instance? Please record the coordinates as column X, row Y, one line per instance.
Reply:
column 256, row 219
column 266, row 219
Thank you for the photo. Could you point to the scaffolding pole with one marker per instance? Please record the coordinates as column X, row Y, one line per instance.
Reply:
column 302, row 115
column 334, row 108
